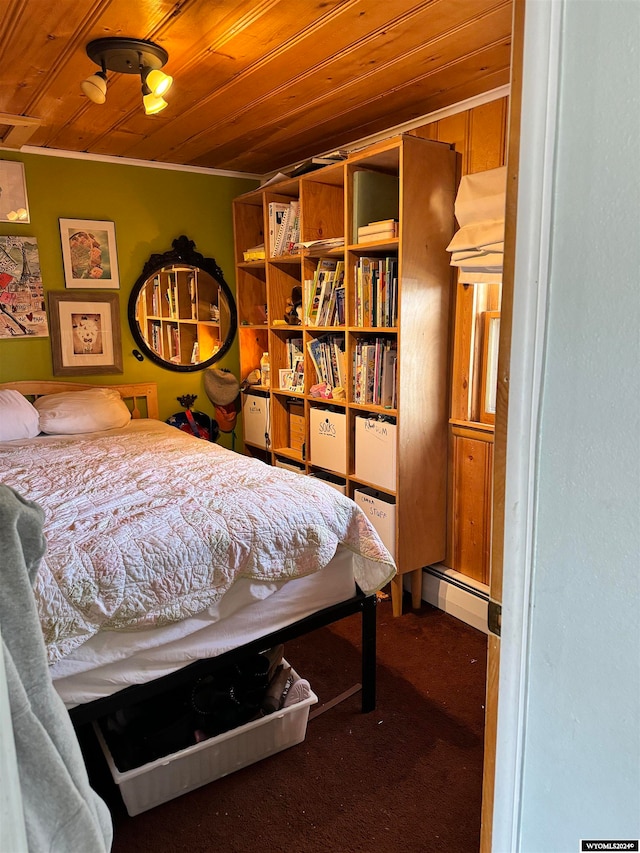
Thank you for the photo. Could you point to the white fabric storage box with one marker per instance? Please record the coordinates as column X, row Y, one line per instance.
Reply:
column 328, row 439
column 330, row 480
column 375, row 457
column 255, row 418
column 380, row 509
column 165, row 778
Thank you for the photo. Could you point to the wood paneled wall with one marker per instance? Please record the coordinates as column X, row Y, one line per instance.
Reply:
column 480, row 137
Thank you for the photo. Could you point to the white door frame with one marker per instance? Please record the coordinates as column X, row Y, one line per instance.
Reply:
column 540, row 81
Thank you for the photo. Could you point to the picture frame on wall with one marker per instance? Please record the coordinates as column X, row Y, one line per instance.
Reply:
column 14, row 206
column 85, row 333
column 89, row 254
column 22, row 306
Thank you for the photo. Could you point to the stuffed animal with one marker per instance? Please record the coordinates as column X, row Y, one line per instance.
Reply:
column 293, row 312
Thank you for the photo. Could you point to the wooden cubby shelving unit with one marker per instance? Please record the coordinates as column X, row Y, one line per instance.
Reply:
column 427, row 173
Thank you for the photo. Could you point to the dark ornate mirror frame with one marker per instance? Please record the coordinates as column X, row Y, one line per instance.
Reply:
column 183, row 252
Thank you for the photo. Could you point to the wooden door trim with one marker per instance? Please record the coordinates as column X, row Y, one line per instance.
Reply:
column 535, row 88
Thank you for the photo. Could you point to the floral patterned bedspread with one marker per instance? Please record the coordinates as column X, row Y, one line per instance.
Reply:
column 147, row 525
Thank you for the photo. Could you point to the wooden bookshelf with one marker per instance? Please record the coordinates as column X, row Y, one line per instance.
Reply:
column 413, row 423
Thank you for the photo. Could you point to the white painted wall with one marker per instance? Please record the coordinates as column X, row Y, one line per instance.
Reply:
column 581, row 739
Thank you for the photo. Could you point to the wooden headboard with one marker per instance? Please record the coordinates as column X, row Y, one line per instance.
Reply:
column 145, row 392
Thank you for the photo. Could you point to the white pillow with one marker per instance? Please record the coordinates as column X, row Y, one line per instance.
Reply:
column 18, row 418
column 71, row 412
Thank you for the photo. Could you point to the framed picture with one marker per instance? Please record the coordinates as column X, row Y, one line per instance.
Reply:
column 89, row 253
column 285, row 382
column 13, row 193
column 85, row 333
column 22, row 306
column 490, row 341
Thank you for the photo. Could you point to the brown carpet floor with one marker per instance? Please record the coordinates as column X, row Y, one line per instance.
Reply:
column 405, row 778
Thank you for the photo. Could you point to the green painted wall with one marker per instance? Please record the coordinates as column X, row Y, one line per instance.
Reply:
column 150, row 207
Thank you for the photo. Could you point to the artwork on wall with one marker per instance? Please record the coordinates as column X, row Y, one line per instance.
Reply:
column 13, row 193
column 85, row 333
column 22, row 305
column 89, row 253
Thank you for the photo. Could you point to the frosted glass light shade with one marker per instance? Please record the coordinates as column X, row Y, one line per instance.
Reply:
column 158, row 82
column 95, row 87
column 153, row 104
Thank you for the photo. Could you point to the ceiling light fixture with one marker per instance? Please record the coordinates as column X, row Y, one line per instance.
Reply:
column 129, row 56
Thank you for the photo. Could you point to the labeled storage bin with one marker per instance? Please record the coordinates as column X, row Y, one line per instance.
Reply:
column 158, row 781
column 375, row 456
column 380, row 509
column 255, row 416
column 328, row 439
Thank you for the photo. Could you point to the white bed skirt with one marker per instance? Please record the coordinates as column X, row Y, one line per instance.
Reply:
column 113, row 660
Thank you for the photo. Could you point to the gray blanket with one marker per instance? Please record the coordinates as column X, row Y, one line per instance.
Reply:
column 61, row 811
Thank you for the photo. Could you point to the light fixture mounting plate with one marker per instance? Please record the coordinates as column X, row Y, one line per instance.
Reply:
column 126, row 55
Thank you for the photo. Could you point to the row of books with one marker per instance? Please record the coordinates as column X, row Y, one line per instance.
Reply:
column 376, row 292
column 284, row 227
column 173, row 340
column 325, row 294
column 375, row 372
column 156, row 338
column 172, row 296
column 329, row 359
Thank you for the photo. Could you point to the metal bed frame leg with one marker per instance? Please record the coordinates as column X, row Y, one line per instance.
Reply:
column 369, row 653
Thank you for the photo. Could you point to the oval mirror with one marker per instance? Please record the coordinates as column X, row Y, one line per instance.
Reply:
column 182, row 313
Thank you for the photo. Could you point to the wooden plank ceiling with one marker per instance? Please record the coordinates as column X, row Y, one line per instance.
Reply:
column 258, row 84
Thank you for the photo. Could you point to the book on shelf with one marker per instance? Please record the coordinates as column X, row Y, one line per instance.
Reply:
column 327, row 304
column 156, row 337
column 276, row 250
column 376, row 197
column 295, row 352
column 155, row 297
column 321, row 245
column 322, row 305
column 289, row 231
column 384, row 230
column 254, row 253
column 170, row 302
column 193, row 296
column 297, row 383
column 327, row 355
column 173, row 343
column 323, row 268
column 276, row 212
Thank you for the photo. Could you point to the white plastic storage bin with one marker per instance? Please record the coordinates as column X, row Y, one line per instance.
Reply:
column 375, row 457
column 380, row 509
column 255, row 418
column 148, row 786
column 328, row 439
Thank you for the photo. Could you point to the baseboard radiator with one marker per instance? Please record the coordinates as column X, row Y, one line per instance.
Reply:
column 456, row 594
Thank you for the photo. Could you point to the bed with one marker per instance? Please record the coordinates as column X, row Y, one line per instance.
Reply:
column 168, row 555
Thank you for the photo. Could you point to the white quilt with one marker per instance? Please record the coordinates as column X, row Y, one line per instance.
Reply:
column 146, row 526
